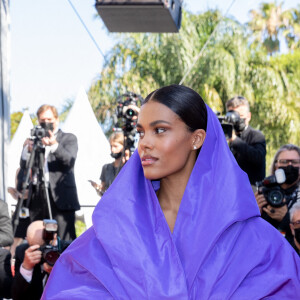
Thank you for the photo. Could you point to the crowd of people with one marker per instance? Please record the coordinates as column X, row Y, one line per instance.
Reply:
column 177, row 223
column 45, row 189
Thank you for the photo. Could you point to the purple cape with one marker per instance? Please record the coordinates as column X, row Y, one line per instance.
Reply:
column 220, row 247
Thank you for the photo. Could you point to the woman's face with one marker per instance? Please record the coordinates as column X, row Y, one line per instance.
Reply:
column 288, row 157
column 165, row 145
column 116, row 147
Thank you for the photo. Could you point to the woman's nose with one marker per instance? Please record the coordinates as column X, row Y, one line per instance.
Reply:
column 146, row 142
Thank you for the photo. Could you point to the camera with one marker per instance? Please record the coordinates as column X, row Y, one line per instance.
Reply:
column 50, row 253
column 124, row 112
column 270, row 188
column 126, row 117
column 231, row 121
column 41, row 131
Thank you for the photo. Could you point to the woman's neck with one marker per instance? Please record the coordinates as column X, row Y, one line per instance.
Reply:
column 171, row 192
column 117, row 162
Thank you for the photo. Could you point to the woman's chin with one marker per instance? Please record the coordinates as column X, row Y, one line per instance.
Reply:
column 151, row 176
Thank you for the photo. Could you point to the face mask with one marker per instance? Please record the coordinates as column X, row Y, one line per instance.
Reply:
column 291, row 173
column 297, row 235
column 116, row 155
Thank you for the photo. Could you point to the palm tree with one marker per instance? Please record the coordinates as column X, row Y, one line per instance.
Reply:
column 291, row 31
column 266, row 25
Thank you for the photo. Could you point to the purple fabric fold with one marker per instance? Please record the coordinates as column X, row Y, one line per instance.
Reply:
column 220, row 247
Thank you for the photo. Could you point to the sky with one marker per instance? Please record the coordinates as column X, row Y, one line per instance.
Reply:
column 52, row 55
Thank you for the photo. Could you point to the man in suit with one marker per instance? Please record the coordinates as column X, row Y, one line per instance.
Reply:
column 6, row 239
column 247, row 144
column 59, row 150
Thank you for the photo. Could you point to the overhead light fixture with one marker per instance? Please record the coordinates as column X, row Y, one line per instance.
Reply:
column 140, row 15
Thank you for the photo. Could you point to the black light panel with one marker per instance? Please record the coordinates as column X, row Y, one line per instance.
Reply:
column 140, row 15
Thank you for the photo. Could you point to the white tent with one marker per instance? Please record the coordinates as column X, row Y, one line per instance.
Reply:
column 93, row 151
column 15, row 150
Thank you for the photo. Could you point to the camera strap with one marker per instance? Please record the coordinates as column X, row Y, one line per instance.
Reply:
column 59, row 244
column 293, row 198
column 298, row 195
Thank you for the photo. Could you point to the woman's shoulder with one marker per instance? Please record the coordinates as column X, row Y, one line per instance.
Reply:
column 263, row 235
column 252, row 258
column 108, row 166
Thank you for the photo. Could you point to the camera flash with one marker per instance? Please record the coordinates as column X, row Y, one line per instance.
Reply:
column 280, row 176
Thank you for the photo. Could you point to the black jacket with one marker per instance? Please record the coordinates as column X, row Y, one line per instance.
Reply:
column 249, row 150
column 5, row 274
column 23, row 290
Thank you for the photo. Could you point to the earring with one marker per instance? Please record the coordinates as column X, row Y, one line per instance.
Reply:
column 195, row 147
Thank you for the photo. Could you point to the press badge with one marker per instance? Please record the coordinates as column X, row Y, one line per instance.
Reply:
column 24, row 213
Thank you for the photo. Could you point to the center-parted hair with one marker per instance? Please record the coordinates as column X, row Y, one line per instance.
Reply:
column 117, row 137
column 183, row 101
column 45, row 107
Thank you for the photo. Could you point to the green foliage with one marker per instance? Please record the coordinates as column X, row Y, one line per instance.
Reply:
column 79, row 227
column 15, row 119
column 291, row 30
column 229, row 66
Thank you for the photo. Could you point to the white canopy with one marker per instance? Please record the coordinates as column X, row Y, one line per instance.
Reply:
column 93, row 150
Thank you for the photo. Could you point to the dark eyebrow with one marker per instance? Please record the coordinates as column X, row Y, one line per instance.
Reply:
column 152, row 124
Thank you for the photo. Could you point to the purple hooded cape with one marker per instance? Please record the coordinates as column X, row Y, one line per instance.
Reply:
column 220, row 247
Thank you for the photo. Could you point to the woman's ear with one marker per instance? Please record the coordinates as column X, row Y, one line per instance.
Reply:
column 198, row 138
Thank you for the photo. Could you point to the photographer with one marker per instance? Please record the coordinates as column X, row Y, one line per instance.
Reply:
column 288, row 159
column 32, row 267
column 111, row 170
column 122, row 142
column 52, row 175
column 247, row 144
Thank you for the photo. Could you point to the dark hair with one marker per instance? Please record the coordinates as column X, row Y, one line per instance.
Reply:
column 183, row 101
column 236, row 102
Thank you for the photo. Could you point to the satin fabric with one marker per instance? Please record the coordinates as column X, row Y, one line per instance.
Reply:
column 220, row 247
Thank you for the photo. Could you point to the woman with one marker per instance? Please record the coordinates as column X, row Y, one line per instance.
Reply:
column 111, row 170
column 183, row 224
column 288, row 159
